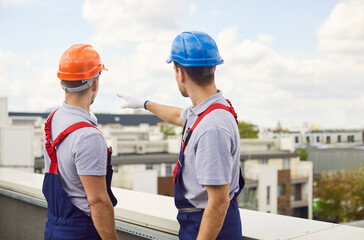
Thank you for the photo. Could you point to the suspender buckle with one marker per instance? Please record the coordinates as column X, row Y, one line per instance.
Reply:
column 187, row 135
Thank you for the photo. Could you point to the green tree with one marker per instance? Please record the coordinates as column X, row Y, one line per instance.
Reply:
column 303, row 154
column 340, row 196
column 167, row 130
column 247, row 130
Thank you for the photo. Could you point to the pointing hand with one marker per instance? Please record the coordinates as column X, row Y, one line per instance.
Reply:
column 131, row 102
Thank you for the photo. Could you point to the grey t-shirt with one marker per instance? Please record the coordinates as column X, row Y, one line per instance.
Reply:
column 82, row 152
column 212, row 155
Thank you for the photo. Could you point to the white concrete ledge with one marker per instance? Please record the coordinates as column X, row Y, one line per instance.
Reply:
column 158, row 212
column 148, row 210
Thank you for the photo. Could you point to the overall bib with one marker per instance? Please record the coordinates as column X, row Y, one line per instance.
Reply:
column 64, row 220
column 190, row 220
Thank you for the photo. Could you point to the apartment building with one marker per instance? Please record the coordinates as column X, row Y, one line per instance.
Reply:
column 276, row 180
column 318, row 137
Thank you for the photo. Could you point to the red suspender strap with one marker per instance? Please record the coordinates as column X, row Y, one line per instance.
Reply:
column 210, row 109
column 51, row 153
column 70, row 129
column 200, row 117
column 51, row 148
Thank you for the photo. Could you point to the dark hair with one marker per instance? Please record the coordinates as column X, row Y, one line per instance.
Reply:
column 199, row 75
column 73, row 84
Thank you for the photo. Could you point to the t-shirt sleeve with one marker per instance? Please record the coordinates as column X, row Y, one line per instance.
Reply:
column 213, row 157
column 90, row 154
column 184, row 115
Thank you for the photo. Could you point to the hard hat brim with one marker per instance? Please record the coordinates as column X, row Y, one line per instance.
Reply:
column 195, row 62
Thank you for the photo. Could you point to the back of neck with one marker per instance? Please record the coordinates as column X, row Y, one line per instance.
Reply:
column 77, row 100
column 200, row 94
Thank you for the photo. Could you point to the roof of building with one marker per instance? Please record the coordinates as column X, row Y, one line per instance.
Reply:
column 158, row 158
column 104, row 118
column 321, row 131
column 267, row 155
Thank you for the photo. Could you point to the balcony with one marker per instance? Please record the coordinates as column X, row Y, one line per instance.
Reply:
column 144, row 216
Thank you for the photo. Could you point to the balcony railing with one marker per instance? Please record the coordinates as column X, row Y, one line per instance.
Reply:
column 144, row 216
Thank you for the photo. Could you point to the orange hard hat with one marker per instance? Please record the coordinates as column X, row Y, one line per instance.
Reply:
column 79, row 62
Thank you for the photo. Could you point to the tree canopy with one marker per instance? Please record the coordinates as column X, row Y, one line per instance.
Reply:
column 340, row 196
column 247, row 130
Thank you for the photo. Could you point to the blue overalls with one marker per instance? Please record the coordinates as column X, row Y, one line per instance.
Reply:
column 64, row 220
column 190, row 221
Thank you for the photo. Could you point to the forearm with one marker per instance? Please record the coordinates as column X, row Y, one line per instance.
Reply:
column 212, row 221
column 169, row 114
column 102, row 214
column 214, row 215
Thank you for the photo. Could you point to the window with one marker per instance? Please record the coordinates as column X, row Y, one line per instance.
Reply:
column 286, row 163
column 268, row 195
column 308, row 140
column 168, row 170
column 281, row 190
column 149, row 166
column 339, row 138
column 248, row 198
column 296, row 192
column 328, row 140
column 318, row 139
column 351, row 138
column 301, row 212
column 296, row 139
column 263, row 161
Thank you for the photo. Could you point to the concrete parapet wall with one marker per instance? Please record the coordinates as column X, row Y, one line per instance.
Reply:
column 148, row 216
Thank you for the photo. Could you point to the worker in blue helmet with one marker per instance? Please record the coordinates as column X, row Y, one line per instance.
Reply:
column 207, row 175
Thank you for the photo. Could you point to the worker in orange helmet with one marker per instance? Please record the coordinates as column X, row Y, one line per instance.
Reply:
column 77, row 161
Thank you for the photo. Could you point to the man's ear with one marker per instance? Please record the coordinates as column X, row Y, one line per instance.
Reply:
column 95, row 84
column 182, row 74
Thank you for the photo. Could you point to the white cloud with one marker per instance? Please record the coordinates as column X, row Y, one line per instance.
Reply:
column 342, row 34
column 132, row 21
column 28, row 88
column 149, row 28
column 264, row 86
column 267, row 87
column 144, row 74
column 264, row 38
column 245, row 52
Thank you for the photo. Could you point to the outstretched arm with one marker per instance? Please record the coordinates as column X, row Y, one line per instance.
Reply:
column 169, row 114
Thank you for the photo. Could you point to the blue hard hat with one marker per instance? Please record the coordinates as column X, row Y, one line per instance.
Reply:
column 195, row 49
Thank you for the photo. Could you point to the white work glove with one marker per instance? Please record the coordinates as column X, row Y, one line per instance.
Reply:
column 131, row 102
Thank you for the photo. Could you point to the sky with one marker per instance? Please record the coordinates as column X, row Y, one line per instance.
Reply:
column 293, row 62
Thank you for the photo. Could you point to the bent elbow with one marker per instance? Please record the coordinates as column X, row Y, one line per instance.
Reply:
column 223, row 205
column 99, row 202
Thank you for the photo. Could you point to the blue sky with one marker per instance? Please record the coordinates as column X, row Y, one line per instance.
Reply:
column 289, row 61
